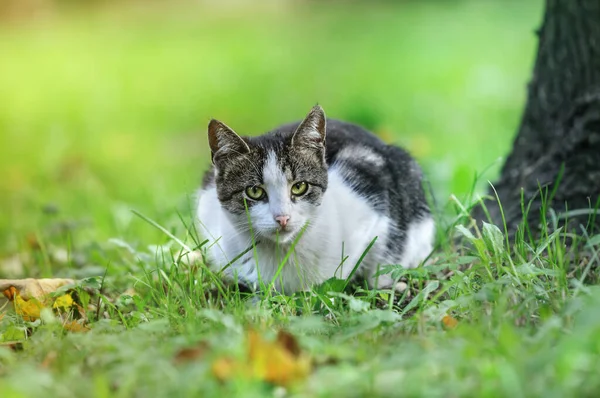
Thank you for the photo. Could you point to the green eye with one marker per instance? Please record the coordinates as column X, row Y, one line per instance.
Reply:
column 255, row 193
column 299, row 188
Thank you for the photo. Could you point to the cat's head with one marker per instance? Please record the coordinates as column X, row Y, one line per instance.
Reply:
column 276, row 181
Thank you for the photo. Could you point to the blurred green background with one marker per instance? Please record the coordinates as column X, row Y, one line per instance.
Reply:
column 103, row 107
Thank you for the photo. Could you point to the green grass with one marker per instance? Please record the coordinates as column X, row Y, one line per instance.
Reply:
column 104, row 113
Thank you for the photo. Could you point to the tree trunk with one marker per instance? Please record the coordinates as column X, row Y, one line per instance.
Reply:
column 559, row 135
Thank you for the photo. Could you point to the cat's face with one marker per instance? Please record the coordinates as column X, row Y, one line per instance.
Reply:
column 271, row 185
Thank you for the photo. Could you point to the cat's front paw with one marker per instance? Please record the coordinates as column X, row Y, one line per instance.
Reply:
column 386, row 282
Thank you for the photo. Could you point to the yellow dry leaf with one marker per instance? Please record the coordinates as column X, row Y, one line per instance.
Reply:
column 279, row 362
column 64, row 302
column 29, row 310
column 76, row 327
column 33, row 288
column 225, row 368
column 449, row 322
column 28, row 305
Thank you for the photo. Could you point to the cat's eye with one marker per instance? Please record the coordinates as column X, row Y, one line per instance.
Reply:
column 299, row 188
column 255, row 193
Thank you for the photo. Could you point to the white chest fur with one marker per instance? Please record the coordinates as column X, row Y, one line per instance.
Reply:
column 332, row 244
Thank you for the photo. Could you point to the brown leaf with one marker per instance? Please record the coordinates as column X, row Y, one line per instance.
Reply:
column 449, row 322
column 76, row 326
column 10, row 292
column 279, row 362
column 289, row 342
column 191, row 353
column 33, row 288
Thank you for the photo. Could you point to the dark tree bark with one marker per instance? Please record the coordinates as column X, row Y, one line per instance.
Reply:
column 559, row 133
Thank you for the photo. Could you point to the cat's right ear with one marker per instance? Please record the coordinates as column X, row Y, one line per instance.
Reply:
column 311, row 132
column 224, row 141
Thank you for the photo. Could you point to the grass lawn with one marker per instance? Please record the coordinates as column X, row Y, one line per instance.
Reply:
column 102, row 139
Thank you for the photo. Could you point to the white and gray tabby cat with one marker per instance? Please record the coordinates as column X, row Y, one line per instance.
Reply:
column 315, row 197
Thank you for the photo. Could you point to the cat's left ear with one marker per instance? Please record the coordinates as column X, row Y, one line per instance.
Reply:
column 311, row 132
column 224, row 142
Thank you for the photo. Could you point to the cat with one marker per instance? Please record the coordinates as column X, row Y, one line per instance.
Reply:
column 303, row 203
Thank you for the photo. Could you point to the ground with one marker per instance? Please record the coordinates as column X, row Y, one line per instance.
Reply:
column 102, row 139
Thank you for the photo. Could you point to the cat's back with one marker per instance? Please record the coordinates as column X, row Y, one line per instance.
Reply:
column 360, row 153
column 339, row 135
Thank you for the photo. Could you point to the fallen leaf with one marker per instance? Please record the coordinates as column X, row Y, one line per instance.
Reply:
column 65, row 302
column 29, row 310
column 76, row 327
column 37, row 296
column 36, row 288
column 289, row 342
column 224, row 368
column 191, row 353
column 274, row 362
column 279, row 362
column 449, row 322
column 10, row 292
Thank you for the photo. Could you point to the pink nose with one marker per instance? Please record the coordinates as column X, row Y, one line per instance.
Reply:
column 282, row 220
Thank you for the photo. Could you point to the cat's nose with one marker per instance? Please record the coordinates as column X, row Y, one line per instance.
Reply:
column 282, row 220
